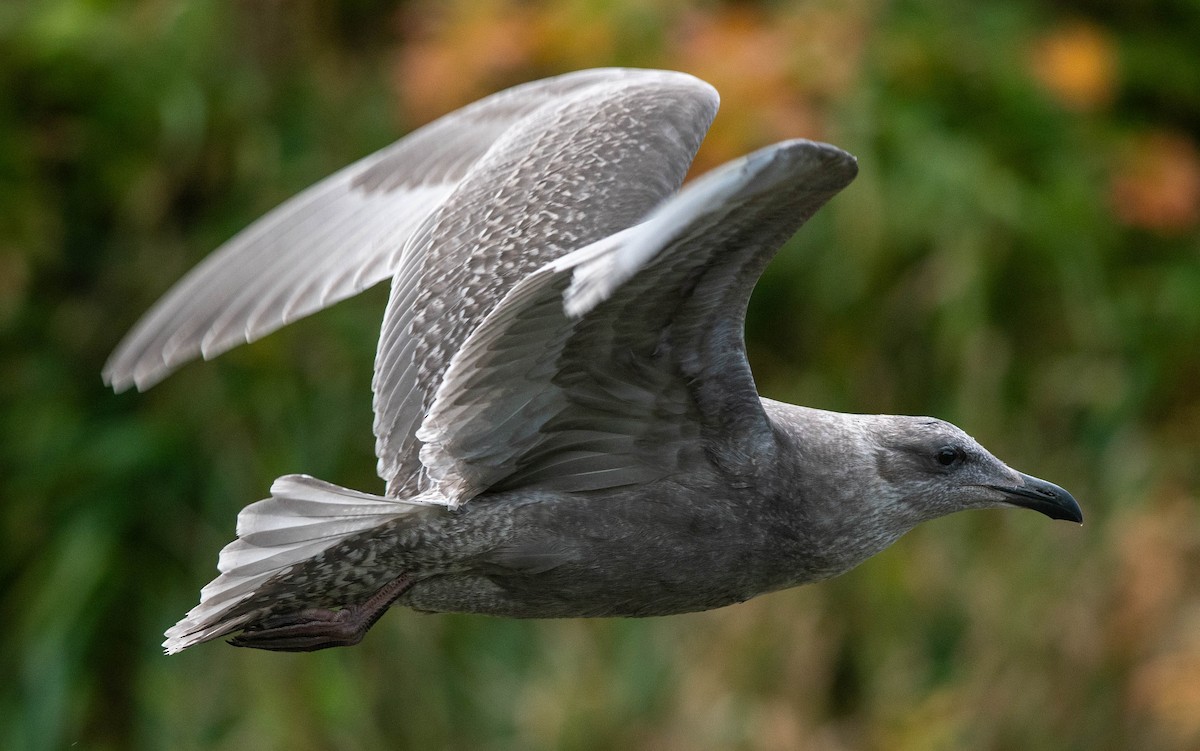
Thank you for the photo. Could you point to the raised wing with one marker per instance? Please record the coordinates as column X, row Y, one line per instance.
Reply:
column 329, row 242
column 577, row 170
column 620, row 362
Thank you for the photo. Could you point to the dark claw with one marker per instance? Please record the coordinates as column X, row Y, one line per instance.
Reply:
column 310, row 630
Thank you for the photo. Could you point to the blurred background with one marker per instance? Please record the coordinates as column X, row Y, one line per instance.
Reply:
column 1019, row 255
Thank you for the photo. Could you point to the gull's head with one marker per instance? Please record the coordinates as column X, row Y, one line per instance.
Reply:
column 928, row 468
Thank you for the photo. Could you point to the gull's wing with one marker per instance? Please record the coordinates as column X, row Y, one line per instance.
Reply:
column 624, row 360
column 578, row 169
column 329, row 242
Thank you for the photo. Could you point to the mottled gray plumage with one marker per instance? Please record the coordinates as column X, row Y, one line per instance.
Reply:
column 565, row 417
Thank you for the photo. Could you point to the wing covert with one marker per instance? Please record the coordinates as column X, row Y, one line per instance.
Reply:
column 624, row 360
column 577, row 170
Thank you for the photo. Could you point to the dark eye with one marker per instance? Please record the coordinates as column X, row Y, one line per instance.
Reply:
column 948, row 456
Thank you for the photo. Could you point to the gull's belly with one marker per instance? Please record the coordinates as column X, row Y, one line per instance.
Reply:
column 612, row 557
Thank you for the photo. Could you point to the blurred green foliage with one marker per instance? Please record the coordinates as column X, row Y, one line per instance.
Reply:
column 1020, row 255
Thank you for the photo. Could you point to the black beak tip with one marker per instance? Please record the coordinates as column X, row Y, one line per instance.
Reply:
column 1070, row 513
column 1044, row 497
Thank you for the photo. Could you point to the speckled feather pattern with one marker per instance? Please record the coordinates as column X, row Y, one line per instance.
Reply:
column 565, row 417
column 535, row 198
column 604, row 410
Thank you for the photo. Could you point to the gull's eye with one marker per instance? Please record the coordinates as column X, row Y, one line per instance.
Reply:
column 948, row 456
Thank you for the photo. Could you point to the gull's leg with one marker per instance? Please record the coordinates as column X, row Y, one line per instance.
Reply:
column 310, row 630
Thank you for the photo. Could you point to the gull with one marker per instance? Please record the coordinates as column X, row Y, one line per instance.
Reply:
column 566, row 422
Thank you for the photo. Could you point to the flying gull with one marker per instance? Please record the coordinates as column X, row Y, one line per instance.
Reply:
column 565, row 418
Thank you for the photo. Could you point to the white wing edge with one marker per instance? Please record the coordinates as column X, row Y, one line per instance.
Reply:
column 598, row 271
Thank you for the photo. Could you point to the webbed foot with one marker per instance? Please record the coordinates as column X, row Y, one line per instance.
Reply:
column 313, row 629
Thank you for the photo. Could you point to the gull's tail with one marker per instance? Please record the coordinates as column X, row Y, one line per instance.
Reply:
column 303, row 518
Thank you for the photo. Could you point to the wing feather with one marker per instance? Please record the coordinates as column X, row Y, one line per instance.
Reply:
column 581, row 168
column 331, row 241
column 623, row 361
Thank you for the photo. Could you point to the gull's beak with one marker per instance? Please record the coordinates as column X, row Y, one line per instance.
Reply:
column 1042, row 496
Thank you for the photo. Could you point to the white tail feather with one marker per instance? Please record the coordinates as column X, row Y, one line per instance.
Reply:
column 303, row 517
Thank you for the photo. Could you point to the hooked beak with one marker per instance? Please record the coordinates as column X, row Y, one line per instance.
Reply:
column 1042, row 496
